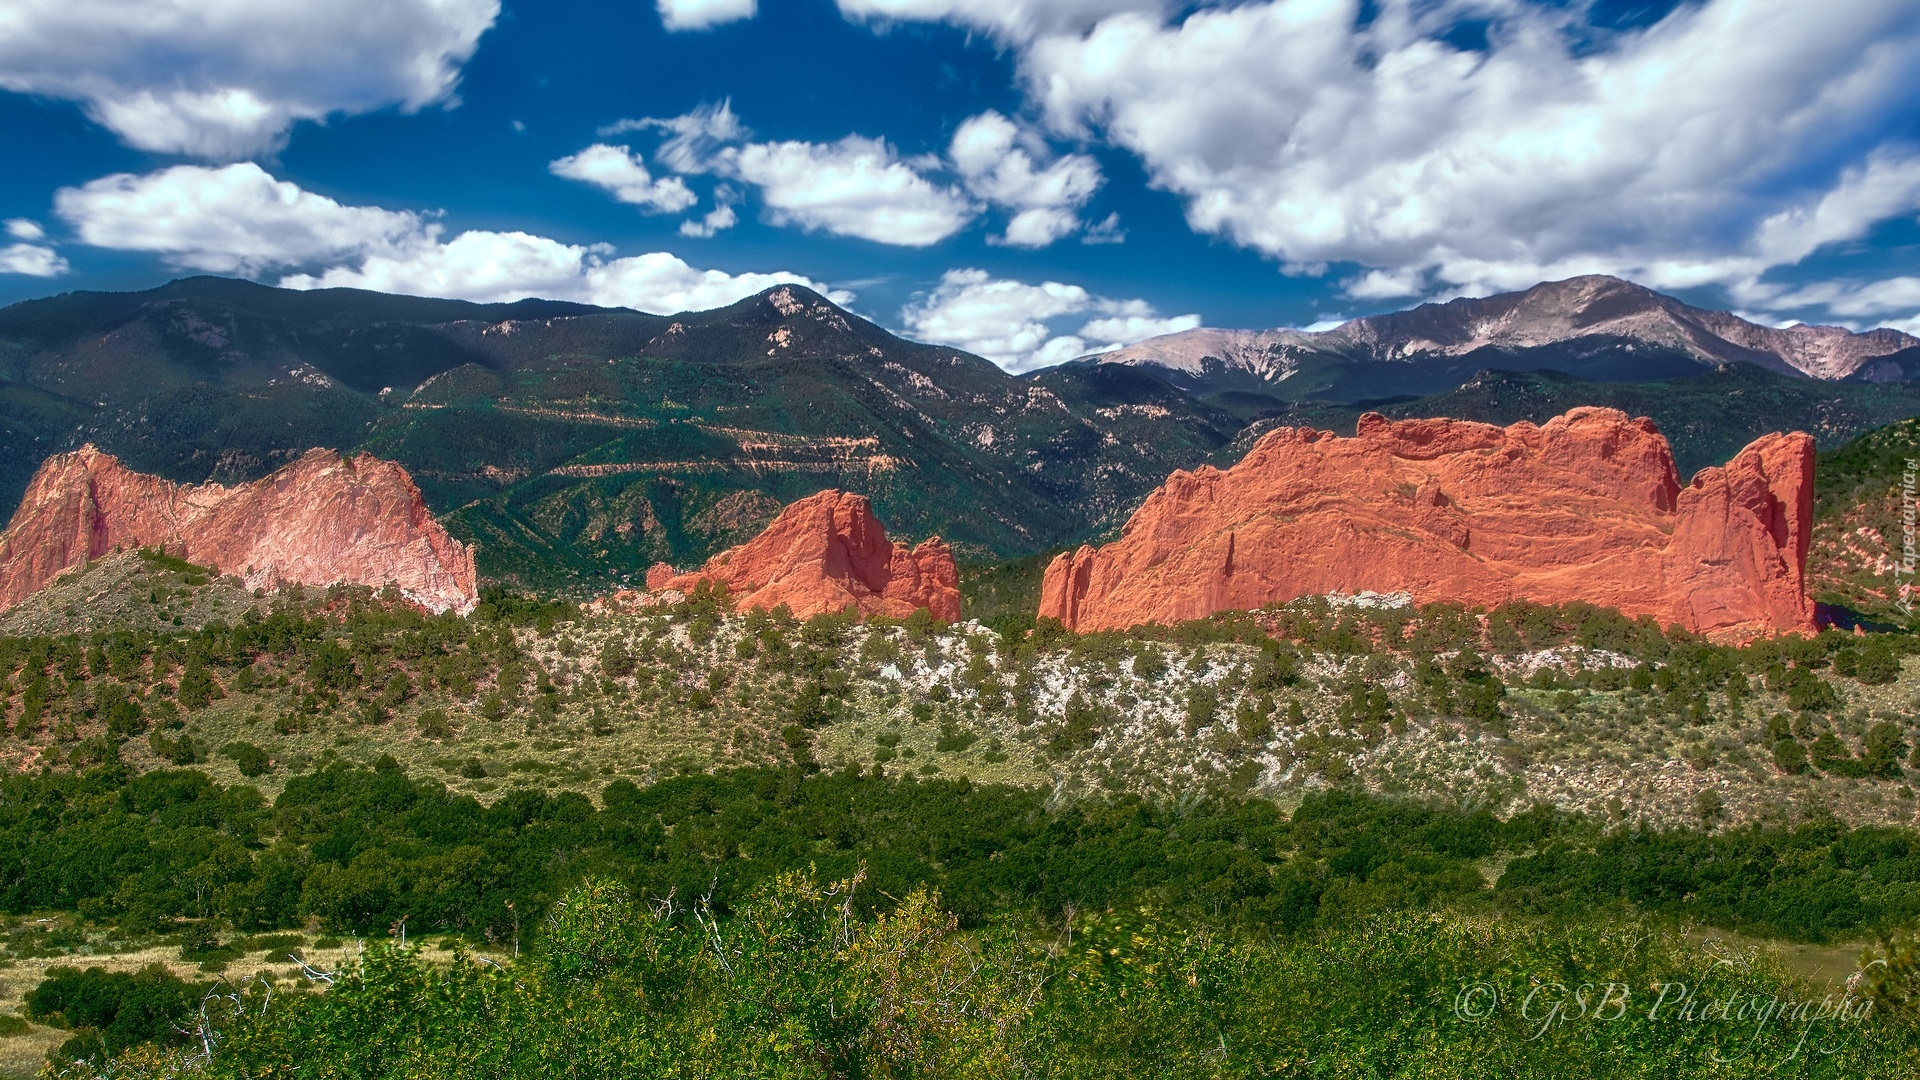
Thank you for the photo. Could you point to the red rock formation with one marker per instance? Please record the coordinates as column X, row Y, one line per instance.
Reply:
column 1587, row 507
column 321, row 520
column 828, row 552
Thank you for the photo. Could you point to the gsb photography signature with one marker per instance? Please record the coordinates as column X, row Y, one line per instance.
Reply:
column 1542, row 1006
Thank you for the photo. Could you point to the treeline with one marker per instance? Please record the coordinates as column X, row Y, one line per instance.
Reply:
column 364, row 850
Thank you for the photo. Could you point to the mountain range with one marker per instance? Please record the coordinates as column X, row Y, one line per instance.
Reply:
column 576, row 446
column 1594, row 327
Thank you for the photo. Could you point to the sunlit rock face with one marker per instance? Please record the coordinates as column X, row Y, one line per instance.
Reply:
column 321, row 520
column 1587, row 507
column 827, row 553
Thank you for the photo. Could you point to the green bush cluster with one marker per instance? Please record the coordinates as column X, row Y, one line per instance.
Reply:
column 360, row 849
column 110, row 1012
column 798, row 982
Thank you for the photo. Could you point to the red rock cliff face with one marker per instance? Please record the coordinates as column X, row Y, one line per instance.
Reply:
column 826, row 553
column 1587, row 507
column 319, row 521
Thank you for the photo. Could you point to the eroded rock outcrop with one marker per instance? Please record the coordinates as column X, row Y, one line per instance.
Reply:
column 1586, row 507
column 826, row 553
column 321, row 520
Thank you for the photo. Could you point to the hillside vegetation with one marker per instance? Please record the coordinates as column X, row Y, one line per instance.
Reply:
column 744, row 844
column 1575, row 706
column 1858, row 557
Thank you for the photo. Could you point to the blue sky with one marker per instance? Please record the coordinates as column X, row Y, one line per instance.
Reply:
column 1029, row 180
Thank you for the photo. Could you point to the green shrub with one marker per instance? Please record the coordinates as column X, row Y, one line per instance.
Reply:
column 617, row 663
column 1879, row 665
column 434, row 724
column 251, row 760
column 1789, row 757
column 114, row 1010
column 953, row 740
column 197, row 688
column 1808, row 692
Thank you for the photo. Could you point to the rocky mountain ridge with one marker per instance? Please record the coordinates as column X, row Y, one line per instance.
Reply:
column 577, row 446
column 1605, row 313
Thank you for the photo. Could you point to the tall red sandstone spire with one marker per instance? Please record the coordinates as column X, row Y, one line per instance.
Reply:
column 1585, row 507
column 320, row 520
column 826, row 553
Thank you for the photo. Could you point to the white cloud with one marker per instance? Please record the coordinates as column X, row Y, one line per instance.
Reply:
column 1886, row 185
column 1105, row 231
column 1386, row 284
column 998, row 162
column 1012, row 323
column 1859, row 302
column 858, row 186
column 702, row 14
column 1729, row 137
column 619, row 171
column 1015, row 20
column 854, row 187
column 221, row 79
column 238, row 219
column 235, row 219
column 495, row 266
column 1123, row 330
column 33, row 260
column 25, row 229
column 1890, row 296
column 692, row 139
column 720, row 217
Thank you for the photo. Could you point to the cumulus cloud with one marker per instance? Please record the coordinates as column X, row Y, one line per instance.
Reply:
column 721, row 217
column 864, row 187
column 225, row 80
column 999, row 162
column 1119, row 331
column 857, row 186
column 30, row 257
column 239, row 219
column 1013, row 323
column 231, row 220
column 1727, row 138
column 496, row 266
column 622, row 173
column 854, row 187
column 702, row 14
column 33, row 260
column 1386, row 284
column 1006, row 20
